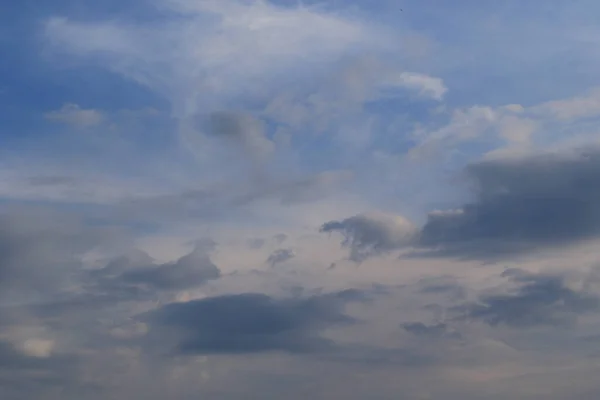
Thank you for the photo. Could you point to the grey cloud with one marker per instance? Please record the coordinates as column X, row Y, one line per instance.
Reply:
column 256, row 243
column 372, row 234
column 251, row 323
column 40, row 252
column 280, row 256
column 280, row 238
column 189, row 271
column 538, row 300
column 23, row 376
column 521, row 204
column 243, row 130
column 444, row 285
column 52, row 181
column 436, row 331
column 227, row 200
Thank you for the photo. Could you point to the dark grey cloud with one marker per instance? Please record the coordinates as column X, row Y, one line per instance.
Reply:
column 537, row 300
column 372, row 234
column 521, row 204
column 280, row 256
column 251, row 323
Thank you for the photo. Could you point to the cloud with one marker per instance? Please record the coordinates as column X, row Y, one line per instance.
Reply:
column 41, row 250
column 436, row 331
column 538, row 300
column 189, row 271
column 241, row 130
column 23, row 375
column 250, row 323
column 138, row 270
column 522, row 203
column 582, row 106
column 39, row 348
column 280, row 256
column 372, row 234
column 423, row 84
column 256, row 243
column 74, row 115
column 224, row 49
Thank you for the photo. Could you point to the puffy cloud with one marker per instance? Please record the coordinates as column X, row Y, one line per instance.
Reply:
column 372, row 234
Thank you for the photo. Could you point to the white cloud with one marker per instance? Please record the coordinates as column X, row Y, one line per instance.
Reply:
column 583, row 106
column 223, row 49
column 74, row 115
column 423, row 84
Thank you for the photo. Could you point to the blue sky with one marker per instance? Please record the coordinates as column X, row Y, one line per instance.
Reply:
column 299, row 199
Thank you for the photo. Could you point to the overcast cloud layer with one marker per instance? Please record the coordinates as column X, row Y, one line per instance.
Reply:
column 238, row 199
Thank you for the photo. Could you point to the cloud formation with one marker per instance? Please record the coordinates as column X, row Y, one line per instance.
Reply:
column 372, row 234
column 249, row 323
column 522, row 203
column 280, row 256
column 538, row 300
column 189, row 271
column 74, row 115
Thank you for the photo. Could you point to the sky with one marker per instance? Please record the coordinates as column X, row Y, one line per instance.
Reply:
column 244, row 199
